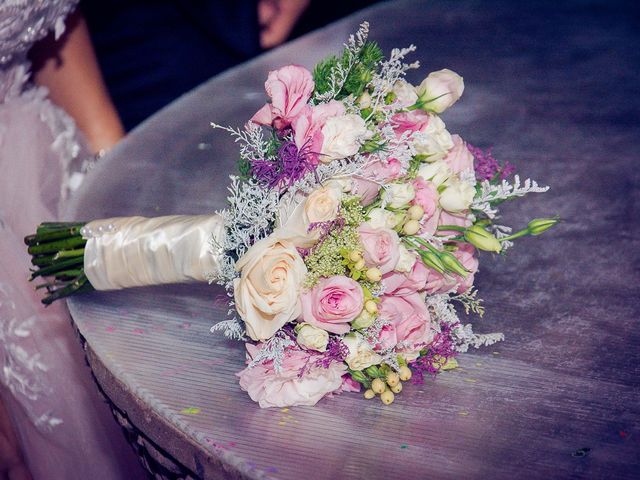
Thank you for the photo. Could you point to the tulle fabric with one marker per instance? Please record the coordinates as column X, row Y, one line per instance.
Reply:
column 65, row 428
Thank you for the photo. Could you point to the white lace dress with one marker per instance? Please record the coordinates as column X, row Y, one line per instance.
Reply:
column 65, row 429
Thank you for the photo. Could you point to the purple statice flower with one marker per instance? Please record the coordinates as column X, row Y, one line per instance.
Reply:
column 336, row 352
column 487, row 167
column 290, row 166
column 438, row 352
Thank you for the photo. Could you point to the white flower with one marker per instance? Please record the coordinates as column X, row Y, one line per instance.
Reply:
column 381, row 218
column 322, row 205
column 434, row 141
column 361, row 355
column 312, row 338
column 343, row 184
column 267, row 294
column 405, row 93
column 436, row 172
column 342, row 137
column 407, row 260
column 398, row 195
column 440, row 90
column 457, row 196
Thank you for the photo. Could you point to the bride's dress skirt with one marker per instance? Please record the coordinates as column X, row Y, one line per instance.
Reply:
column 65, row 427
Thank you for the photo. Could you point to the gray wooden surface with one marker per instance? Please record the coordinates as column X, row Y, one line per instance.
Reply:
column 553, row 85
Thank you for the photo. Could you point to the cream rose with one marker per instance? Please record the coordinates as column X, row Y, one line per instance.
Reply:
column 433, row 140
column 436, row 172
column 312, row 338
column 381, row 218
column 440, row 90
column 398, row 195
column 267, row 294
column 361, row 355
column 406, row 261
column 342, row 137
column 322, row 205
column 457, row 196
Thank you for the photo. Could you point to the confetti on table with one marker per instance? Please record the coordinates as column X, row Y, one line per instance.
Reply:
column 284, row 410
column 185, row 325
column 190, row 411
column 495, row 353
column 138, row 331
column 623, row 434
column 464, row 413
column 110, row 329
column 404, row 445
column 470, row 380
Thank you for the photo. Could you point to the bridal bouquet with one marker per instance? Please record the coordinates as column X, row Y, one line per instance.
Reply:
column 352, row 231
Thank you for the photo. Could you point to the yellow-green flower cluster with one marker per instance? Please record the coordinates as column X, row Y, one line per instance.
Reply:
column 327, row 258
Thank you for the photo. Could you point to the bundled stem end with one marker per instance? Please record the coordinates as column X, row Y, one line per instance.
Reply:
column 57, row 254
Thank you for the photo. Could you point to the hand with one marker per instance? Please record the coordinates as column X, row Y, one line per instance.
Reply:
column 277, row 19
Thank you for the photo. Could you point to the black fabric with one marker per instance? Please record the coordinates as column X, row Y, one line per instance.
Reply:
column 151, row 51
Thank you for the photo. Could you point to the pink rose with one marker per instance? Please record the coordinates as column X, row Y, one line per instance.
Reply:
column 307, row 126
column 438, row 283
column 367, row 184
column 426, row 195
column 460, row 220
column 290, row 89
column 414, row 121
column 288, row 388
column 332, row 304
column 402, row 284
column 409, row 318
column 380, row 247
column 459, row 157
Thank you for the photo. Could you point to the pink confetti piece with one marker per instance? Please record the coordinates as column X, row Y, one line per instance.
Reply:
column 138, row 331
column 185, row 325
column 110, row 329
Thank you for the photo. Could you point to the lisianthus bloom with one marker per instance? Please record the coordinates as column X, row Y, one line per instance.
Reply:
column 287, row 387
column 440, row 90
column 342, row 137
column 333, row 303
column 290, row 89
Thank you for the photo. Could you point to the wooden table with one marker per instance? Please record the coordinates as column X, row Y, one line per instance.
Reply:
column 553, row 85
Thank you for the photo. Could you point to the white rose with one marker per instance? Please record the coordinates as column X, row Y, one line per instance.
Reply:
column 405, row 93
column 342, row 137
column 267, row 294
column 361, row 355
column 436, row 172
column 406, row 261
column 342, row 184
column 398, row 195
column 381, row 218
column 440, row 90
column 457, row 196
column 434, row 141
column 322, row 205
column 312, row 338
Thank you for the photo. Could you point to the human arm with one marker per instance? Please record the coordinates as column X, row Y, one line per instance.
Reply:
column 69, row 69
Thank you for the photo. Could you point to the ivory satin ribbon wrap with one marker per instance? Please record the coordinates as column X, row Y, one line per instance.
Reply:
column 128, row 252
